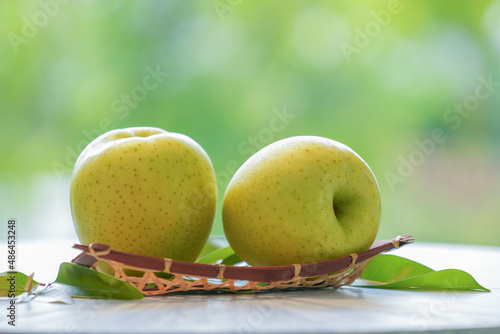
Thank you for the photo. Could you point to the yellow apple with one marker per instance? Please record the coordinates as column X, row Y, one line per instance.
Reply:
column 144, row 190
column 300, row 200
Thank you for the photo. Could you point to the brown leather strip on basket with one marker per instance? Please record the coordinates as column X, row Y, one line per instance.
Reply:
column 86, row 259
column 259, row 273
column 95, row 252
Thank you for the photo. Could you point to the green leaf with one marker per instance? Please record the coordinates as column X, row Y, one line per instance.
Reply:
column 391, row 268
column 231, row 260
column 218, row 255
column 448, row 279
column 80, row 281
column 18, row 279
column 394, row 272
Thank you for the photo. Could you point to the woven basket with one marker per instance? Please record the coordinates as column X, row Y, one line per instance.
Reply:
column 188, row 276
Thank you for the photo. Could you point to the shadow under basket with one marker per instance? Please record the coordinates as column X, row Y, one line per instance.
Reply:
column 163, row 275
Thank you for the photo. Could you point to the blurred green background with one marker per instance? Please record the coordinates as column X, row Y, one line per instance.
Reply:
column 412, row 86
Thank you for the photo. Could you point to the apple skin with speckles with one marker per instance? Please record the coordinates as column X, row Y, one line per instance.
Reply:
column 144, row 190
column 301, row 200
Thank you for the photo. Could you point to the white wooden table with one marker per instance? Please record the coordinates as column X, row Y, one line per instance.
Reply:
column 346, row 310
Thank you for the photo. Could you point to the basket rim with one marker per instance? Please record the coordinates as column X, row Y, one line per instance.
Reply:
column 93, row 252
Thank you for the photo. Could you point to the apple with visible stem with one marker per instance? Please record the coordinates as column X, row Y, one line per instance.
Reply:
column 299, row 200
column 146, row 191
